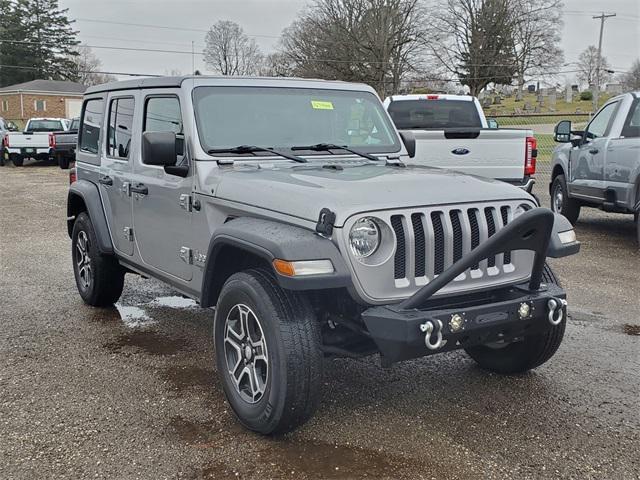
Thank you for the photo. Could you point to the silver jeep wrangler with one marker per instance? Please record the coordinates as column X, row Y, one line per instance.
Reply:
column 288, row 206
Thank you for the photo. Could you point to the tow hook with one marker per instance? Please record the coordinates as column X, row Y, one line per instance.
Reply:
column 556, row 310
column 428, row 328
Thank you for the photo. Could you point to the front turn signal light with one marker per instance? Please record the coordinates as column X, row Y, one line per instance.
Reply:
column 301, row 268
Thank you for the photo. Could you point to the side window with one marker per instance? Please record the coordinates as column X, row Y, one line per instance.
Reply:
column 600, row 123
column 631, row 127
column 91, row 123
column 120, row 127
column 162, row 114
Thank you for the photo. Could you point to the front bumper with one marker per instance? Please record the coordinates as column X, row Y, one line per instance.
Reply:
column 496, row 317
column 423, row 324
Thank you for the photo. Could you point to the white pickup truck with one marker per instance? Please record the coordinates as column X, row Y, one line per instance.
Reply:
column 35, row 141
column 452, row 132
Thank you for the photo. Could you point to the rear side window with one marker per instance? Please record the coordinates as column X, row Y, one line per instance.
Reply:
column 120, row 127
column 91, row 123
column 434, row 114
column 632, row 124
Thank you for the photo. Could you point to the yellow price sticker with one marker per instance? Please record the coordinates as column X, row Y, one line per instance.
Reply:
column 318, row 105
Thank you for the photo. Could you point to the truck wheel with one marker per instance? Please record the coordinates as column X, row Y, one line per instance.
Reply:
column 99, row 278
column 521, row 356
column 63, row 162
column 560, row 201
column 267, row 347
column 637, row 219
column 17, row 159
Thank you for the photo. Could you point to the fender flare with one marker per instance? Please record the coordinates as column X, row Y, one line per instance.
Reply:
column 271, row 240
column 90, row 195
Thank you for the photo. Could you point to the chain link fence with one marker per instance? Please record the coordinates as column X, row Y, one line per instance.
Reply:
column 542, row 126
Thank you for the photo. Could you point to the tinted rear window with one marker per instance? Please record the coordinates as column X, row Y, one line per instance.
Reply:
column 434, row 114
column 45, row 126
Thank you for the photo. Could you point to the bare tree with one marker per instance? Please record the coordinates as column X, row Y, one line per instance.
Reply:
column 229, row 51
column 538, row 25
column 87, row 68
column 475, row 41
column 588, row 67
column 276, row 64
column 631, row 79
column 372, row 41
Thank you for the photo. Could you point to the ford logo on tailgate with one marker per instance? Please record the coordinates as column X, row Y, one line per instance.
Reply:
column 460, row 151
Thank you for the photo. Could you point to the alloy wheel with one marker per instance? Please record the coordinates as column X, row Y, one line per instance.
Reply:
column 245, row 350
column 83, row 262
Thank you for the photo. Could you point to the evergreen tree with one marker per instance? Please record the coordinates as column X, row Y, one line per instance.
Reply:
column 37, row 42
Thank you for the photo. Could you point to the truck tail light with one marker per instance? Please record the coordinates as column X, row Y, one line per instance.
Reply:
column 73, row 176
column 530, row 156
column 52, row 140
column 5, row 141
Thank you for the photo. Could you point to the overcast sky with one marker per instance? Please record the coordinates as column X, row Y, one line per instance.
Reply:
column 187, row 21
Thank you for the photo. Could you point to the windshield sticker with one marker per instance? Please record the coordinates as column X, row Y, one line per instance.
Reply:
column 318, row 105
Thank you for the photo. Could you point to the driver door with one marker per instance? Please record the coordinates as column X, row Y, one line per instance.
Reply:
column 586, row 165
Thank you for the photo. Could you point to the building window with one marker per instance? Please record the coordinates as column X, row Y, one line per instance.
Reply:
column 40, row 105
column 5, row 105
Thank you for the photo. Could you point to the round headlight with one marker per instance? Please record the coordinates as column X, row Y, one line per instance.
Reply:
column 364, row 237
column 520, row 210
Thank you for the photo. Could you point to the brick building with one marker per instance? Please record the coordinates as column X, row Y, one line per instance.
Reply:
column 40, row 98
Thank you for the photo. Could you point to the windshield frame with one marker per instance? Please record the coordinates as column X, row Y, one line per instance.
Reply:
column 394, row 149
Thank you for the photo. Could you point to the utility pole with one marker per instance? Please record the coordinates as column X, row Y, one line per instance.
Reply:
column 596, row 94
column 193, row 58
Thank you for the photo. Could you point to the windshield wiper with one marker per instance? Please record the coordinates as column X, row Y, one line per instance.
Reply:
column 327, row 147
column 240, row 149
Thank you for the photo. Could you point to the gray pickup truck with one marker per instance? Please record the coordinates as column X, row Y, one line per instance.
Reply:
column 310, row 237
column 600, row 165
column 63, row 144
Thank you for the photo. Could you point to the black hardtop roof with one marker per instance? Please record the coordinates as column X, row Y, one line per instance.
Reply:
column 176, row 82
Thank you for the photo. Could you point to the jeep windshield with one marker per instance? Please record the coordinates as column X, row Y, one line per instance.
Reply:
column 282, row 118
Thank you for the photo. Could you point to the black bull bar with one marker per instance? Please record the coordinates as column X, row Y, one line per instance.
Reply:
column 423, row 325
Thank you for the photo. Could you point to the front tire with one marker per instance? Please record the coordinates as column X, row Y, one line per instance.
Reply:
column 531, row 352
column 267, row 347
column 99, row 278
column 561, row 202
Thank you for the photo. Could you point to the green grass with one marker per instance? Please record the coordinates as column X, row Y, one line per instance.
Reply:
column 508, row 106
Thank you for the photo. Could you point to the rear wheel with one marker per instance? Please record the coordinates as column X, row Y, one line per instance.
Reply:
column 99, row 278
column 637, row 219
column 560, row 201
column 267, row 347
column 521, row 356
column 17, row 159
column 63, row 162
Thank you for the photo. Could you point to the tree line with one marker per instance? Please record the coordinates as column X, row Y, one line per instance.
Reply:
column 388, row 43
column 38, row 41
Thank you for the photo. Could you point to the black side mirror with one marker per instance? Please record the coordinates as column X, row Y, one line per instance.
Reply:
column 562, row 132
column 409, row 142
column 492, row 123
column 159, row 148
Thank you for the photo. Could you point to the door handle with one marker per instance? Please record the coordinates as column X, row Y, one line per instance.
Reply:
column 593, row 151
column 140, row 189
column 106, row 180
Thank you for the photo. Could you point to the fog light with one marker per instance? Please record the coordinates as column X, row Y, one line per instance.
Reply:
column 456, row 323
column 524, row 310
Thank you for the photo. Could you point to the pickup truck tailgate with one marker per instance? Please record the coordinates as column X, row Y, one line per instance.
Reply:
column 485, row 152
column 29, row 140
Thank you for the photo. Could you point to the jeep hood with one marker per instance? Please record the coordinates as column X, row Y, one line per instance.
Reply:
column 303, row 190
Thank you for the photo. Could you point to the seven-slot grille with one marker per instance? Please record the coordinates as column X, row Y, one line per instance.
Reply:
column 443, row 237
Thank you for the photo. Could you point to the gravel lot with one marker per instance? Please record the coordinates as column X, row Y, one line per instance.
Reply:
column 130, row 392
